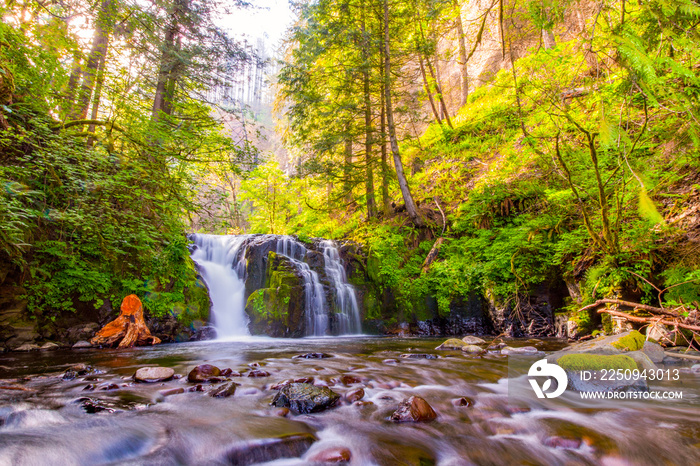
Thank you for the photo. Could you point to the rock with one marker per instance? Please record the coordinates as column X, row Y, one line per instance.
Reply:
column 154, row 374
column 312, row 356
column 82, row 344
column 355, row 395
column 349, row 379
column 203, row 373
column 654, row 350
column 523, row 350
column 472, row 340
column 463, row 401
column 643, row 361
column 280, row 412
column 390, row 361
column 419, row 356
column 127, row 330
column 258, row 374
column 49, row 346
column 659, row 333
column 695, row 368
column 82, row 332
column 472, row 349
column 228, row 372
column 304, row 398
column 93, row 405
column 207, row 332
column 108, row 386
column 270, row 449
column 574, row 364
column 172, row 391
column 414, row 409
column 196, row 388
column 332, row 455
column 28, row 347
column 451, row 344
column 78, row 370
column 561, row 442
column 224, row 391
column 614, row 344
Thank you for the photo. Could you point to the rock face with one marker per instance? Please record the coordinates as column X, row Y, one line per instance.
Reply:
column 154, row 374
column 203, row 373
column 304, row 398
column 127, row 330
column 414, row 409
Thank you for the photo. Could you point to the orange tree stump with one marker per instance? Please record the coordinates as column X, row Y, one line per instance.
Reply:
column 127, row 330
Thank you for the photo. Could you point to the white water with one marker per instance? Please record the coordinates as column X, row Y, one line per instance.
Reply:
column 315, row 303
column 345, row 296
column 222, row 264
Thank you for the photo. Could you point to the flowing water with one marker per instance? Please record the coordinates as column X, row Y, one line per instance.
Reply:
column 345, row 296
column 221, row 260
column 42, row 421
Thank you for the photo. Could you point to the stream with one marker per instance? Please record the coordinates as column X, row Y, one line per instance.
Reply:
column 107, row 418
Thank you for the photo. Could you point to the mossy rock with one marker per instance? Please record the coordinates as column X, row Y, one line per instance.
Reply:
column 595, row 362
column 452, row 343
column 633, row 341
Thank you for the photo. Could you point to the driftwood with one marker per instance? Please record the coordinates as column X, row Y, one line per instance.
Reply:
column 432, row 255
column 635, row 306
column 127, row 330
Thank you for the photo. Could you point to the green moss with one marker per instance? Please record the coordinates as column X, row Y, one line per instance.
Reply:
column 607, row 322
column 452, row 343
column 595, row 362
column 632, row 342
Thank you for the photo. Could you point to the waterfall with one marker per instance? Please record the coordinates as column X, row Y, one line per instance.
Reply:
column 221, row 260
column 315, row 303
column 345, row 296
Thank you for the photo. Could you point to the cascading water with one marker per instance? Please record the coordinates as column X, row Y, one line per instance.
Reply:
column 221, row 260
column 315, row 303
column 345, row 296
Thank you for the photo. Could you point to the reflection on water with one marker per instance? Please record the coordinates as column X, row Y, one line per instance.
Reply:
column 43, row 420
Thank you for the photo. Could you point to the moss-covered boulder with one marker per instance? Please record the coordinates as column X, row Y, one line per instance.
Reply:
column 451, row 344
column 629, row 341
column 590, row 372
column 277, row 310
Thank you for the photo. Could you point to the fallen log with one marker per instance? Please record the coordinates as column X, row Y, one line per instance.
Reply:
column 127, row 330
column 635, row 306
column 650, row 320
column 432, row 255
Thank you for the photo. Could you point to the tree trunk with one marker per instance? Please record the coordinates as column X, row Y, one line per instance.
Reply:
column 369, row 169
column 426, row 85
column 169, row 64
column 127, row 330
column 96, row 99
column 462, row 54
column 100, row 42
column 347, row 170
column 403, row 183
column 386, row 202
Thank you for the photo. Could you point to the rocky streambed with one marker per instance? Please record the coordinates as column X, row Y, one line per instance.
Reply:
column 325, row 401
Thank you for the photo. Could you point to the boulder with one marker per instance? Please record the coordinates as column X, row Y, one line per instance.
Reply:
column 154, row 374
column 576, row 365
column 355, row 395
column 82, row 344
column 643, row 361
column 332, row 455
column 472, row 340
column 614, row 344
column 49, row 346
column 224, row 390
column 78, row 370
column 522, row 351
column 414, row 409
column 203, row 373
column 419, row 356
column 472, row 349
column 304, row 398
column 654, row 351
column 127, row 330
column 28, row 347
column 451, row 344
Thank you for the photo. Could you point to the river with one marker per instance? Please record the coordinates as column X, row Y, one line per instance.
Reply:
column 45, row 420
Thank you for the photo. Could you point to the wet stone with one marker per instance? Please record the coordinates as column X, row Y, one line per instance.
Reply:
column 332, row 455
column 172, row 391
column 419, row 356
column 108, row 386
column 312, row 356
column 348, row 379
column 280, row 412
column 472, row 349
column 82, row 344
column 196, row 388
column 154, row 374
column 265, row 450
column 561, row 442
column 203, row 373
column 257, row 373
column 78, row 370
column 464, row 401
column 93, row 405
column 355, row 395
column 304, row 398
column 224, row 391
column 226, row 372
column 472, row 340
column 523, row 350
column 414, row 409
column 390, row 361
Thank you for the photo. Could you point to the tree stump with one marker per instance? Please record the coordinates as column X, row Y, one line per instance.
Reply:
column 129, row 329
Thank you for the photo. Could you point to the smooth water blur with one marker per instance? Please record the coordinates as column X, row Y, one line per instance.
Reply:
column 41, row 423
